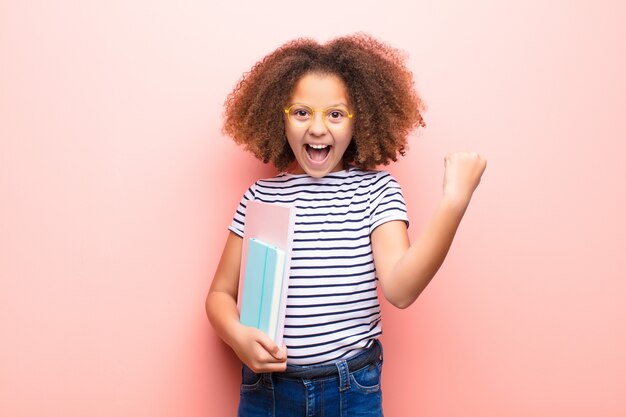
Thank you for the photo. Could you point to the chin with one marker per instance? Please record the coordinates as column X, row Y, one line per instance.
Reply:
column 321, row 172
column 315, row 173
column 318, row 174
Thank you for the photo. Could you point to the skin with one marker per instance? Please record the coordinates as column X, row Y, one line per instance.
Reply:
column 319, row 92
column 403, row 269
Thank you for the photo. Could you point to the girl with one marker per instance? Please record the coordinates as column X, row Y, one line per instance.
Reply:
column 325, row 116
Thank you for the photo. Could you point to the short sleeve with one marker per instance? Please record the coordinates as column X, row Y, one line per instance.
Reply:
column 386, row 201
column 239, row 219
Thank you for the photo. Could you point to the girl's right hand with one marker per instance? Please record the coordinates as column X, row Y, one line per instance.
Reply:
column 258, row 351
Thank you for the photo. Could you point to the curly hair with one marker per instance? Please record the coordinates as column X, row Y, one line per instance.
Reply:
column 380, row 89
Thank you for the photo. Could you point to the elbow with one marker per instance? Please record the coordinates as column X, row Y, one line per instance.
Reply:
column 402, row 304
column 207, row 306
column 403, row 296
column 400, row 301
column 210, row 309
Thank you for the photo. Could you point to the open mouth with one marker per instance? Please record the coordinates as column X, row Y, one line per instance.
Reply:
column 317, row 153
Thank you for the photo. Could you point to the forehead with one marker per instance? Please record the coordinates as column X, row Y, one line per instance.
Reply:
column 320, row 90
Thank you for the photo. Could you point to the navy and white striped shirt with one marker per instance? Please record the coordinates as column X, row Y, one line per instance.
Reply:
column 332, row 306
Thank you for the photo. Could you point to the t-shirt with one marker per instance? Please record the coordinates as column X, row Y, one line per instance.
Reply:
column 332, row 306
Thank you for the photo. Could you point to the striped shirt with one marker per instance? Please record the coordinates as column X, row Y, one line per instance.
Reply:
column 332, row 305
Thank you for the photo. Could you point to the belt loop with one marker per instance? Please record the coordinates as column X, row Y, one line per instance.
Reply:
column 344, row 375
column 380, row 347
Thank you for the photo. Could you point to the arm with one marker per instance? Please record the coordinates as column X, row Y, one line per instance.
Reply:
column 251, row 345
column 404, row 270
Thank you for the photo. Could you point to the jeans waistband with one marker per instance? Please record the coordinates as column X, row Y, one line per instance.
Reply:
column 360, row 360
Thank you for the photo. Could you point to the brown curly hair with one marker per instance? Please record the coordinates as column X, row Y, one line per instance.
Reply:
column 380, row 90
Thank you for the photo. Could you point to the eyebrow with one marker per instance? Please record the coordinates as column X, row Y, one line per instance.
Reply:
column 327, row 107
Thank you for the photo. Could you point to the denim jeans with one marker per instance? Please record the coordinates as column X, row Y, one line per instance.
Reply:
column 354, row 393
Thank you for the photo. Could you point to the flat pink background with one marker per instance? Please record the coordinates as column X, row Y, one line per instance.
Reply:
column 116, row 187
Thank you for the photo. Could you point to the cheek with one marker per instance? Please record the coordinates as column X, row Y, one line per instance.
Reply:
column 346, row 138
column 292, row 140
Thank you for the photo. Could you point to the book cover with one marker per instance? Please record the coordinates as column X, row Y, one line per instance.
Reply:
column 272, row 224
column 262, row 286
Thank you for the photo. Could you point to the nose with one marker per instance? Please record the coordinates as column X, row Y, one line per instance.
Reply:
column 318, row 126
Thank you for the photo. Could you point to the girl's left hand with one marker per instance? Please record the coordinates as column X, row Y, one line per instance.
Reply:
column 462, row 174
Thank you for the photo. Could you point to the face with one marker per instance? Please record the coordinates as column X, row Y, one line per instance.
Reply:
column 318, row 127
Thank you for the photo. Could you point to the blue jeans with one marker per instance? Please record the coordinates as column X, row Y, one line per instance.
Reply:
column 345, row 392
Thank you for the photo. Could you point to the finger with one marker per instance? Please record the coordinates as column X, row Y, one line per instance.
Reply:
column 280, row 355
column 271, row 367
column 277, row 367
column 267, row 357
column 271, row 347
column 284, row 351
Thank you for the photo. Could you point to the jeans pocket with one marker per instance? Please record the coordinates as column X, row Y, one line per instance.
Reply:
column 367, row 380
column 256, row 397
column 249, row 380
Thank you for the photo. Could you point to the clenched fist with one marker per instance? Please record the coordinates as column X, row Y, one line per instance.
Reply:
column 462, row 175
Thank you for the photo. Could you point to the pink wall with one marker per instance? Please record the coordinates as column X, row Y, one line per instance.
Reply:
column 116, row 187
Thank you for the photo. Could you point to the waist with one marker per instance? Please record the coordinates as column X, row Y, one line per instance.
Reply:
column 362, row 359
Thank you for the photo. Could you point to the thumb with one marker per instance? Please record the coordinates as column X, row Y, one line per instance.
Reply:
column 270, row 346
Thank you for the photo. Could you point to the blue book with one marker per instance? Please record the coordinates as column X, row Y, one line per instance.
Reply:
column 271, row 224
column 262, row 287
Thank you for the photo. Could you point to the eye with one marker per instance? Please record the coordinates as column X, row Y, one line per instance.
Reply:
column 301, row 113
column 336, row 115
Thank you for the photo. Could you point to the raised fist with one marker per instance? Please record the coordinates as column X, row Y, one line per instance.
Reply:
column 462, row 175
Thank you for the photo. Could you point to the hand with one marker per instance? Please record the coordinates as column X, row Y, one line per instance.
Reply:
column 258, row 351
column 462, row 174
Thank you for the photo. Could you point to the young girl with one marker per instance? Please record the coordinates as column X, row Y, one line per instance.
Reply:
column 325, row 116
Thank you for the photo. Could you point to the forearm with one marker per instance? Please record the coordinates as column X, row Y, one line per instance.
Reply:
column 421, row 261
column 223, row 315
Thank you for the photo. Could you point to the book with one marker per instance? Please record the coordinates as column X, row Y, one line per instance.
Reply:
column 271, row 224
column 262, row 287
